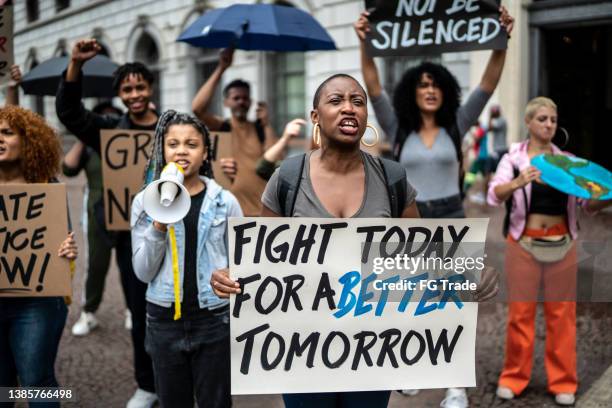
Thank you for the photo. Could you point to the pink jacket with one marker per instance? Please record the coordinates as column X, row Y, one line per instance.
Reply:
column 518, row 157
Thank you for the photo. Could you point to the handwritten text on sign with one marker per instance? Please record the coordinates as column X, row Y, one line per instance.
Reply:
column 6, row 39
column 303, row 323
column 124, row 156
column 33, row 224
column 420, row 27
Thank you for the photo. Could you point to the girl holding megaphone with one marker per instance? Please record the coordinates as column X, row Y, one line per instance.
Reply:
column 175, row 251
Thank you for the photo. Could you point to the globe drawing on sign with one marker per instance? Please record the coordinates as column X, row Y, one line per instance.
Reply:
column 575, row 176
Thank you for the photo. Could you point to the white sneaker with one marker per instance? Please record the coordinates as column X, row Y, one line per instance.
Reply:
column 408, row 393
column 142, row 399
column 455, row 398
column 128, row 320
column 565, row 399
column 504, row 393
column 86, row 323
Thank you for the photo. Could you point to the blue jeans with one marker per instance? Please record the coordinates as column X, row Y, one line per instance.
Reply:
column 362, row 399
column 190, row 356
column 30, row 332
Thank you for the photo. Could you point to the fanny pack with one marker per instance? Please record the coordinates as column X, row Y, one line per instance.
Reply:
column 547, row 250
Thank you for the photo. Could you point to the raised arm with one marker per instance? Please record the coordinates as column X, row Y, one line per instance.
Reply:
column 81, row 122
column 201, row 102
column 12, row 91
column 148, row 243
column 495, row 66
column 73, row 160
column 368, row 66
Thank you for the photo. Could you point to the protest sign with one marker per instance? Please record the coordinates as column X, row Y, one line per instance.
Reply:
column 317, row 313
column 222, row 148
column 6, row 40
column 34, row 223
column 421, row 27
column 124, row 156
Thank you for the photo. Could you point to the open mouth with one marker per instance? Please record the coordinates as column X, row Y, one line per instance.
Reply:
column 2, row 149
column 182, row 163
column 349, row 126
column 431, row 99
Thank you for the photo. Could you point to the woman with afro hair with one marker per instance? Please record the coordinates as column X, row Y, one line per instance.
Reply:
column 30, row 328
column 425, row 124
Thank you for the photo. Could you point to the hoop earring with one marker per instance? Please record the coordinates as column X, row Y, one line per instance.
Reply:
column 316, row 134
column 566, row 134
column 369, row 125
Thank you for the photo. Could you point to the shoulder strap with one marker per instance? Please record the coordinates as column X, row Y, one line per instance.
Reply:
column 226, row 126
column 289, row 178
column 395, row 176
column 261, row 133
column 508, row 203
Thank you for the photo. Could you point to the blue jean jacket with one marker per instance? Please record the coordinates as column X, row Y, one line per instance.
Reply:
column 152, row 256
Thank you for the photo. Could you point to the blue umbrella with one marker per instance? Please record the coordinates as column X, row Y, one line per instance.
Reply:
column 262, row 27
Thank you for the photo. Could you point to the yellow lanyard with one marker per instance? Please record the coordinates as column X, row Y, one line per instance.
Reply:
column 175, row 275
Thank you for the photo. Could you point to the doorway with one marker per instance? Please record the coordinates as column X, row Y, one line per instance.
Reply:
column 577, row 75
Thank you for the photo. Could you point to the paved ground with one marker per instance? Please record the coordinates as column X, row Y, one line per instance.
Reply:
column 99, row 366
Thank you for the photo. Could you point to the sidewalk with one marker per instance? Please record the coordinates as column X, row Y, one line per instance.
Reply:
column 98, row 367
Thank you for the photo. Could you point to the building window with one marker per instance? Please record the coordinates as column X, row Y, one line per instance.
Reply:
column 61, row 5
column 205, row 63
column 37, row 102
column 32, row 10
column 288, row 91
column 148, row 54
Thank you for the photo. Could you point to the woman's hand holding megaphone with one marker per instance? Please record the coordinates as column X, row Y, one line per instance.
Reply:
column 160, row 226
column 222, row 284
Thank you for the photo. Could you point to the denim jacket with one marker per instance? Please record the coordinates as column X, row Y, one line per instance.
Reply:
column 151, row 252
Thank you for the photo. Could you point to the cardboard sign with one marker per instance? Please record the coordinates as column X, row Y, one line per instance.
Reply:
column 421, row 27
column 6, row 40
column 34, row 223
column 222, row 148
column 314, row 314
column 124, row 156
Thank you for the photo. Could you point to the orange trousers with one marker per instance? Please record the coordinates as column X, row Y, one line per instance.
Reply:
column 524, row 277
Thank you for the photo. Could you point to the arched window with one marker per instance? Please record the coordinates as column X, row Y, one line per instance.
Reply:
column 202, row 63
column 37, row 102
column 287, row 85
column 147, row 52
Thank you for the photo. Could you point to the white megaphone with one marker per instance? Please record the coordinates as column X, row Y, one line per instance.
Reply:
column 166, row 200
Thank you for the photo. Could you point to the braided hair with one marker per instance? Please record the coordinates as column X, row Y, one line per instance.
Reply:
column 156, row 162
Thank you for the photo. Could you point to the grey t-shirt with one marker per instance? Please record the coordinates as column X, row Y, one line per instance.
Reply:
column 434, row 171
column 374, row 205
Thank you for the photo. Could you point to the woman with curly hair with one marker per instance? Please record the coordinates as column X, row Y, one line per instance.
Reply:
column 426, row 123
column 30, row 328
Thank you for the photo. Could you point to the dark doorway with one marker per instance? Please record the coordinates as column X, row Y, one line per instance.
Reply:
column 577, row 75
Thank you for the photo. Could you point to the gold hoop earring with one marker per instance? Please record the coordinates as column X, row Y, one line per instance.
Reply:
column 369, row 125
column 316, row 134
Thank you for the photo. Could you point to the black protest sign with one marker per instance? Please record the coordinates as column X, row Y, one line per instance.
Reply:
column 34, row 223
column 422, row 27
column 124, row 156
column 6, row 40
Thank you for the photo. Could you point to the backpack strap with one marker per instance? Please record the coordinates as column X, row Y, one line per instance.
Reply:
column 261, row 132
column 395, row 176
column 509, row 201
column 289, row 178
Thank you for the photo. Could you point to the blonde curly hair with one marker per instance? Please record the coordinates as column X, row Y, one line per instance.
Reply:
column 40, row 144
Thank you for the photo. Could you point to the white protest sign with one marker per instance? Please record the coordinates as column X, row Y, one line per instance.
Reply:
column 317, row 315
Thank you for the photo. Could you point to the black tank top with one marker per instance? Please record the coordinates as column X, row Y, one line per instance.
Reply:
column 547, row 200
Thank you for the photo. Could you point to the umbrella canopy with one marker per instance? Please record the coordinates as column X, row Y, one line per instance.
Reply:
column 97, row 77
column 262, row 27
